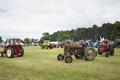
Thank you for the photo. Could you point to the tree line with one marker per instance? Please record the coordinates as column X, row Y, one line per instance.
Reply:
column 107, row 30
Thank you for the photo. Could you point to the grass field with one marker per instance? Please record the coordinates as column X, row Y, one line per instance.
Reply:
column 42, row 64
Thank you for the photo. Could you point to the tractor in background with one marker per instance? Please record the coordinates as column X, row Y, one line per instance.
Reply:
column 46, row 45
column 107, row 47
column 61, row 44
column 12, row 47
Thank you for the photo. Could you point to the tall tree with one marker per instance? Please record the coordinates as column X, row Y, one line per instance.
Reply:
column 41, row 40
column 95, row 31
column 22, row 41
column 63, row 35
column 46, row 35
column 32, row 40
column 27, row 40
column 53, row 37
column 107, row 29
column 115, row 34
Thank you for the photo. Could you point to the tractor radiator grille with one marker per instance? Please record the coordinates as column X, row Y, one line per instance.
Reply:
column 65, row 49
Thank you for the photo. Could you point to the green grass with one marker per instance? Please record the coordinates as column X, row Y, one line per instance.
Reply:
column 42, row 64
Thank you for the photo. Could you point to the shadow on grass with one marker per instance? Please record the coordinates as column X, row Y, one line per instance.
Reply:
column 80, row 60
column 5, row 56
column 103, row 55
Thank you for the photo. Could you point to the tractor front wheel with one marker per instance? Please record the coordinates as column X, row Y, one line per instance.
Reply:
column 60, row 57
column 61, row 46
column 22, row 50
column 10, row 52
column 68, row 59
column 107, row 54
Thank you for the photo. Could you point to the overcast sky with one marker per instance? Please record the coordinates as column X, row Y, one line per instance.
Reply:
column 31, row 18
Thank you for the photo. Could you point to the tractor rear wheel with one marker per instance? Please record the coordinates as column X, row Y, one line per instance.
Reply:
column 78, row 56
column 51, row 47
column 68, row 59
column 107, row 54
column 111, row 50
column 89, row 53
column 10, row 52
column 60, row 57
column 22, row 50
column 61, row 46
column 42, row 47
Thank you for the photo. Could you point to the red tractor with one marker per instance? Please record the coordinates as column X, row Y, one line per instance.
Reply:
column 65, row 42
column 54, row 45
column 107, row 47
column 13, row 47
column 61, row 44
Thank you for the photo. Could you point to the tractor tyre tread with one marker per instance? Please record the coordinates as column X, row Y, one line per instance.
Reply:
column 59, row 58
column 85, row 53
column 68, row 56
column 42, row 47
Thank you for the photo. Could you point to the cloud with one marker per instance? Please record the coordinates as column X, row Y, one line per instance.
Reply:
column 30, row 18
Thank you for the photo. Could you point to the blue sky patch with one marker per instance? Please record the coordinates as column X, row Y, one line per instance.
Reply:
column 2, row 10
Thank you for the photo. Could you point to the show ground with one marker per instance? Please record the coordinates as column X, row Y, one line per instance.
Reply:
column 42, row 64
